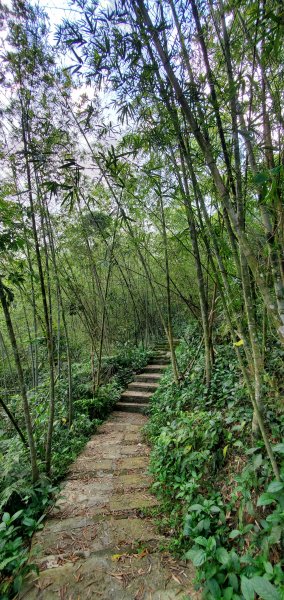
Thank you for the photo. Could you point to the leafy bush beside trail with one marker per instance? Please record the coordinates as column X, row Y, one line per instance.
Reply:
column 220, row 504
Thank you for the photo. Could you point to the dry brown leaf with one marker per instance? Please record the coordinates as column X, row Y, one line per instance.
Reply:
column 42, row 585
column 140, row 593
column 119, row 576
column 143, row 553
column 176, row 579
column 62, row 592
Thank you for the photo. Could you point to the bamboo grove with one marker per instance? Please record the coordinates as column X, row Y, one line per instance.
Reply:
column 141, row 189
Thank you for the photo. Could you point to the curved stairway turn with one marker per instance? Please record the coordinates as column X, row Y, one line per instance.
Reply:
column 136, row 397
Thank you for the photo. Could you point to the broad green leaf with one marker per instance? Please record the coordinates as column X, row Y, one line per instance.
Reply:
column 235, row 561
column 6, row 517
column 235, row 533
column 233, row 580
column 198, row 557
column 275, row 486
column 265, row 589
column 247, row 588
column 194, row 507
column 252, row 450
column 222, row 556
column 268, row 567
column 211, row 544
column 214, row 588
column 275, row 535
column 16, row 515
column 257, row 461
column 279, row 448
column 215, row 509
column 228, row 593
column 201, row 541
column 265, row 499
column 29, row 522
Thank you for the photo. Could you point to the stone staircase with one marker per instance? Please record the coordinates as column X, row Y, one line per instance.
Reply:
column 136, row 397
column 99, row 541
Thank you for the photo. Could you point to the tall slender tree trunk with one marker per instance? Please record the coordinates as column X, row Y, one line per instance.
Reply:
column 98, row 375
column 183, row 184
column 49, row 340
column 5, row 354
column 64, row 320
column 26, row 408
column 14, row 422
column 30, row 340
column 169, row 304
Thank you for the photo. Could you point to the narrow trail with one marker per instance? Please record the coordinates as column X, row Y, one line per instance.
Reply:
column 98, row 542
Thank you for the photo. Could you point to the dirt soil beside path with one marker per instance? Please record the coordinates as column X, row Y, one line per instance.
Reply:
column 96, row 543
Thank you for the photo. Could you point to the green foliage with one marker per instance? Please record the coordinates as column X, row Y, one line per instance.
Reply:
column 229, row 524
column 15, row 530
column 127, row 360
column 100, row 405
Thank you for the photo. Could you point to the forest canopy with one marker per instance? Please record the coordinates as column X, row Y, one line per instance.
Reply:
column 141, row 198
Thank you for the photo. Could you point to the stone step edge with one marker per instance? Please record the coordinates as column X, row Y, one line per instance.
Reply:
column 157, row 368
column 137, row 405
column 154, row 386
column 135, row 394
column 156, row 376
column 135, row 400
column 78, row 476
column 151, row 544
column 117, row 513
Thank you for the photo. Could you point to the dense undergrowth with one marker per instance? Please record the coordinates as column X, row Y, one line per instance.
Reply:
column 23, row 506
column 221, row 506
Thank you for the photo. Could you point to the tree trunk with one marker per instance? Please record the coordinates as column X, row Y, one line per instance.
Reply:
column 26, row 409
column 25, row 136
column 169, row 304
column 14, row 422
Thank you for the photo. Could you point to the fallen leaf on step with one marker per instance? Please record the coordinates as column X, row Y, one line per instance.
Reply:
column 176, row 579
column 140, row 593
column 116, row 557
column 119, row 576
column 143, row 553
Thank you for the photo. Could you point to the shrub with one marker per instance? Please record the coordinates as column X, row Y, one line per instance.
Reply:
column 216, row 500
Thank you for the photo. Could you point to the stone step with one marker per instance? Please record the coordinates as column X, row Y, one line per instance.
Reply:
column 165, row 344
column 149, row 377
column 136, row 396
column 161, row 360
column 75, row 536
column 100, row 576
column 162, row 348
column 140, row 385
column 131, row 407
column 157, row 368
